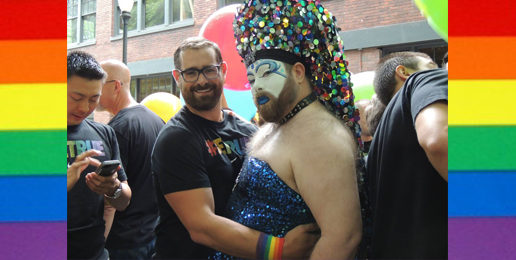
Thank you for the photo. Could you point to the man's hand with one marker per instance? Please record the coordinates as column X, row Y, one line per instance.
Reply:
column 81, row 162
column 103, row 184
column 300, row 241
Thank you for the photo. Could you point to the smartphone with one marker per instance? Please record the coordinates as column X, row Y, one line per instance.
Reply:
column 107, row 168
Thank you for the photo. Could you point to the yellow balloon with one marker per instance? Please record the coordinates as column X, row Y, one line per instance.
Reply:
column 165, row 105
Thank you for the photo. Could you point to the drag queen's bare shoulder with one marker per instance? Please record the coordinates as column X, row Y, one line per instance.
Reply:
column 316, row 122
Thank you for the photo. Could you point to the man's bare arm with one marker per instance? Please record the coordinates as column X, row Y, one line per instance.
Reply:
column 109, row 215
column 328, row 185
column 195, row 208
column 432, row 134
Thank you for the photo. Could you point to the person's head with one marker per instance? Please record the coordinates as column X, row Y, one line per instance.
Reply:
column 312, row 39
column 361, row 105
column 445, row 61
column 393, row 70
column 84, row 85
column 116, row 90
column 373, row 114
column 200, row 72
column 277, row 84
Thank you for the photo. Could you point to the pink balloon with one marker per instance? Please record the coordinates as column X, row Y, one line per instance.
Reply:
column 218, row 28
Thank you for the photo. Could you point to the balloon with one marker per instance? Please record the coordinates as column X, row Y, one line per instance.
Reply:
column 436, row 12
column 363, row 85
column 237, row 92
column 165, row 105
column 218, row 28
column 241, row 102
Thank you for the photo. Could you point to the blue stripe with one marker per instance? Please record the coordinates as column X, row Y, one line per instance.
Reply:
column 482, row 194
column 41, row 198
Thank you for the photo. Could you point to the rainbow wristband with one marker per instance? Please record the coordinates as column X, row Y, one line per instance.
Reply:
column 269, row 247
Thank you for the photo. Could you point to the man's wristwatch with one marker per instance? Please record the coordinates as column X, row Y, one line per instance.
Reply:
column 117, row 193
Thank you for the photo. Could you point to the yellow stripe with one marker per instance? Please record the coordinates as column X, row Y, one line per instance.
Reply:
column 272, row 248
column 482, row 102
column 32, row 106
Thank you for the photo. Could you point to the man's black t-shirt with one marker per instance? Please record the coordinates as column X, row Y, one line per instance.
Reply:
column 409, row 197
column 136, row 130
column 85, row 236
column 192, row 152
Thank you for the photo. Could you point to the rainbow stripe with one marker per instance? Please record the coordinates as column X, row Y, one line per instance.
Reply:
column 32, row 130
column 482, row 130
column 269, row 247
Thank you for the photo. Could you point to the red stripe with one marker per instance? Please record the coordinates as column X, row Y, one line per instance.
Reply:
column 482, row 18
column 280, row 247
column 32, row 19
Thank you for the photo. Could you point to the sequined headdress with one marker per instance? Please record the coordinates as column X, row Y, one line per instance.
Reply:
column 306, row 31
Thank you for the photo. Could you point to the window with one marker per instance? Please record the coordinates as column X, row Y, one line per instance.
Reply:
column 81, row 16
column 230, row 2
column 141, row 87
column 155, row 14
column 435, row 50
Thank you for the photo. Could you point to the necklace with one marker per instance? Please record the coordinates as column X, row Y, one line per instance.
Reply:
column 302, row 104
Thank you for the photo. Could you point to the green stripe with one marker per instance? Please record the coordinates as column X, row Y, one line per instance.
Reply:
column 482, row 148
column 267, row 247
column 33, row 153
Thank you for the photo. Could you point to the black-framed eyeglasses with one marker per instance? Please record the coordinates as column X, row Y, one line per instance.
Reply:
column 192, row 75
column 121, row 83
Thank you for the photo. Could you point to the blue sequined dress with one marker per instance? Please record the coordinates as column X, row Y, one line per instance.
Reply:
column 263, row 202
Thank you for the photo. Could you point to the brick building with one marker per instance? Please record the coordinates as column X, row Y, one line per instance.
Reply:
column 370, row 30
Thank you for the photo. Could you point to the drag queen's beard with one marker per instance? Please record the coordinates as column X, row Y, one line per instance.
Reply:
column 274, row 110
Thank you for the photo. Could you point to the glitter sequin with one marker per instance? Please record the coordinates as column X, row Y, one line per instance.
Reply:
column 263, row 202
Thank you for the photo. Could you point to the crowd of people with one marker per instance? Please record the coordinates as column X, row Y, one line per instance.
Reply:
column 322, row 176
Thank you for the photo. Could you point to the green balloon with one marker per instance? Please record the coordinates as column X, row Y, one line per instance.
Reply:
column 363, row 85
column 436, row 12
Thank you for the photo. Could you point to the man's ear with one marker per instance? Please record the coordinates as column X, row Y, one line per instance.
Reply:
column 298, row 72
column 224, row 68
column 118, row 86
column 176, row 74
column 402, row 72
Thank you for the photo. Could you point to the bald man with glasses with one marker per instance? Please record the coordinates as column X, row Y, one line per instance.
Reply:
column 130, row 234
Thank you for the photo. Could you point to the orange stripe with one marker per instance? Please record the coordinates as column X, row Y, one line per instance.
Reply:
column 482, row 57
column 33, row 61
column 276, row 248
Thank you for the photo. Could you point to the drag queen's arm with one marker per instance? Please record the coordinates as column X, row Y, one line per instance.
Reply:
column 328, row 185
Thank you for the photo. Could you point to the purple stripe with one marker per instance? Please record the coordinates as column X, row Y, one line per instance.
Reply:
column 481, row 238
column 44, row 240
column 261, row 246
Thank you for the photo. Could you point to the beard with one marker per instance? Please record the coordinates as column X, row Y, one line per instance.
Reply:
column 274, row 110
column 204, row 102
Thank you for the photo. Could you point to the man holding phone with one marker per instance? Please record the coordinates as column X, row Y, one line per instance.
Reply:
column 87, row 190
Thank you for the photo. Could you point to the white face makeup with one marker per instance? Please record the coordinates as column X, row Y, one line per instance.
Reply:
column 266, row 75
